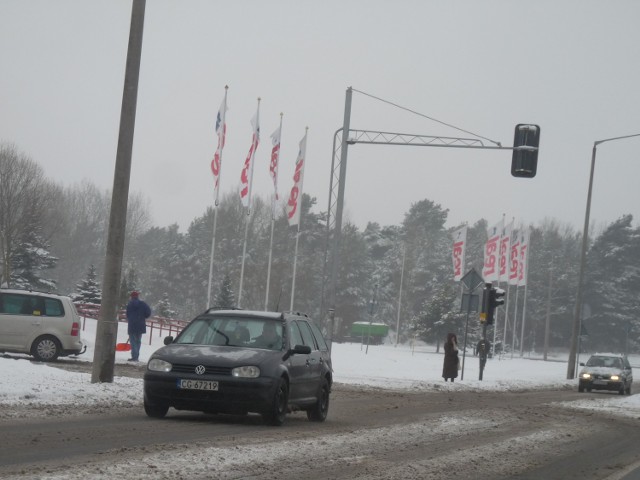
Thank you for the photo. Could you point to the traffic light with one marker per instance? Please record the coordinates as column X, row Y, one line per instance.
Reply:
column 495, row 299
column 484, row 310
column 524, row 161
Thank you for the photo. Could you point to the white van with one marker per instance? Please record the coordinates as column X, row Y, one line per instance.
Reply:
column 43, row 325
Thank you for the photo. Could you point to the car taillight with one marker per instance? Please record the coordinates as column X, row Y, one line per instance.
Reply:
column 75, row 329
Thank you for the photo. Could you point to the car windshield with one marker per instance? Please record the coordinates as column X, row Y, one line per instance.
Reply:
column 611, row 362
column 233, row 331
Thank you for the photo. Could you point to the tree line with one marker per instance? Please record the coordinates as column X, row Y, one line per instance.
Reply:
column 53, row 238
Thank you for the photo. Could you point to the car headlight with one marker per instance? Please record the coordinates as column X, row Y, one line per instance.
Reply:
column 157, row 365
column 615, row 378
column 246, row 372
column 586, row 376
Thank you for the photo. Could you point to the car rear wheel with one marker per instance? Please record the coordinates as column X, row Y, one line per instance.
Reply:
column 278, row 409
column 318, row 413
column 155, row 410
column 46, row 348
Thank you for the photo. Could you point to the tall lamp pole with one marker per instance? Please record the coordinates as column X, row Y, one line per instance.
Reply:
column 571, row 366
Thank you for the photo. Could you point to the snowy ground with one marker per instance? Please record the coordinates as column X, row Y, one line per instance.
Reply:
column 32, row 386
column 384, row 366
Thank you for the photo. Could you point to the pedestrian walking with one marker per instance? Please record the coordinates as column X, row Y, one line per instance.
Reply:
column 137, row 314
column 451, row 359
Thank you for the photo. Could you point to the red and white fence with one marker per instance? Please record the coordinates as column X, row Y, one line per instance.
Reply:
column 164, row 326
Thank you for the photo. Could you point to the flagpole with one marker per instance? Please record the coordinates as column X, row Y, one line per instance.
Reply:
column 404, row 256
column 244, row 254
column 515, row 321
column 526, row 284
column 295, row 263
column 495, row 326
column 216, row 195
column 295, row 254
column 273, row 221
column 213, row 247
column 248, row 208
column 506, row 307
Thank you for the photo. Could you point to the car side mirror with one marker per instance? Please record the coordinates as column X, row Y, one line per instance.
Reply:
column 582, row 364
column 298, row 350
column 302, row 349
column 168, row 340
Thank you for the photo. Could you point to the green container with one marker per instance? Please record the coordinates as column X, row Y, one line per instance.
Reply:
column 359, row 329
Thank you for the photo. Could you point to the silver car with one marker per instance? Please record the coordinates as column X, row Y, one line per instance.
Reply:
column 44, row 325
column 606, row 371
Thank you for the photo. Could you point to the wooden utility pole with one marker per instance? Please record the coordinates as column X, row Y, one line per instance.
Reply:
column 106, row 335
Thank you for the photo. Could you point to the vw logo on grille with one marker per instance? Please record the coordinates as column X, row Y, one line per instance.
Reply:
column 200, row 369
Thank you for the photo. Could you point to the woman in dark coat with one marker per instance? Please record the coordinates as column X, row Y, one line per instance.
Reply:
column 450, row 367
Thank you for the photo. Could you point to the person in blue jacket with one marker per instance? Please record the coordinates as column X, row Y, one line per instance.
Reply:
column 137, row 314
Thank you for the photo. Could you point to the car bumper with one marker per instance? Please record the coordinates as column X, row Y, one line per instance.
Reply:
column 602, row 385
column 74, row 348
column 234, row 395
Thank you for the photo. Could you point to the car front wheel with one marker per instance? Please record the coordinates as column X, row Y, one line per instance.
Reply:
column 277, row 411
column 155, row 410
column 318, row 413
column 46, row 349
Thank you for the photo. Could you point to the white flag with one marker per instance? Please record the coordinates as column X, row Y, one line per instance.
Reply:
column 295, row 197
column 458, row 253
column 523, row 267
column 514, row 258
column 247, row 171
column 275, row 155
column 221, row 132
column 503, row 255
column 490, row 267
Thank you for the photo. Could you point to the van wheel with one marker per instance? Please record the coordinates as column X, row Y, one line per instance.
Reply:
column 46, row 348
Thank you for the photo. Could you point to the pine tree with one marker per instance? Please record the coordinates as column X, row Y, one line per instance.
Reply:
column 225, row 298
column 164, row 308
column 613, row 279
column 127, row 285
column 88, row 290
column 31, row 257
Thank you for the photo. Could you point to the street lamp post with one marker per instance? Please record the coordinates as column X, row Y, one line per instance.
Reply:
column 571, row 366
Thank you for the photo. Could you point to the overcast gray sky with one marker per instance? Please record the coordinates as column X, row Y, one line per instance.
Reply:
column 573, row 67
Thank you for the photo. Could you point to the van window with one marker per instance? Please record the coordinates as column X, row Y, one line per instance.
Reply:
column 12, row 303
column 53, row 307
column 30, row 305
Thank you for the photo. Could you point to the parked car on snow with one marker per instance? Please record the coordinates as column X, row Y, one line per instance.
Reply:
column 239, row 361
column 44, row 325
column 606, row 371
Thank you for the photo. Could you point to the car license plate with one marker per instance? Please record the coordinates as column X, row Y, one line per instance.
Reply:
column 197, row 385
column 599, row 382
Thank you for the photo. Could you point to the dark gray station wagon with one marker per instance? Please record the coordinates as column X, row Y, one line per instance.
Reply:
column 240, row 361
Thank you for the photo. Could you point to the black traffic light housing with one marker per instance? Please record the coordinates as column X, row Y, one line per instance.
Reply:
column 485, row 303
column 495, row 300
column 524, row 161
column 491, row 298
